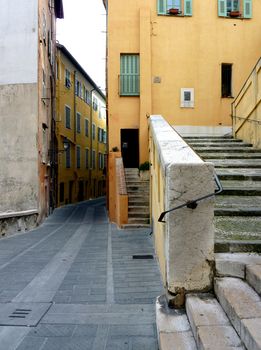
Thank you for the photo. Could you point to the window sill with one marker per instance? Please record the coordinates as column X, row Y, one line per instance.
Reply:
column 229, row 17
column 231, row 97
column 172, row 15
column 122, row 95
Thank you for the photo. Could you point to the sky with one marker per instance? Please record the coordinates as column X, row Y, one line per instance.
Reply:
column 83, row 33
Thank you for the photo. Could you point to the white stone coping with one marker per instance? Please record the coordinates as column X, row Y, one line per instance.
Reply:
column 172, row 149
column 13, row 214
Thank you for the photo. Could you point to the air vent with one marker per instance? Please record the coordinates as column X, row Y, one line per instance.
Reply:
column 144, row 257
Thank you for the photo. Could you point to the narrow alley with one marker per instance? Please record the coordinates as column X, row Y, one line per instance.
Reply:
column 77, row 282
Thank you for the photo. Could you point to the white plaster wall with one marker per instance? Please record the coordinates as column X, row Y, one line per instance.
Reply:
column 18, row 41
column 18, row 148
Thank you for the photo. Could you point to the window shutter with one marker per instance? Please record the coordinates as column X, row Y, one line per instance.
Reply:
column 188, row 7
column 162, row 7
column 247, row 8
column 222, row 8
column 130, row 70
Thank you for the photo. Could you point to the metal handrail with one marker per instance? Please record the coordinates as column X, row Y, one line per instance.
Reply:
column 194, row 203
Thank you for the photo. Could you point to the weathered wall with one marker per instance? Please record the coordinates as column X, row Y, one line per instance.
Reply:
column 18, row 147
column 181, row 52
column 18, row 41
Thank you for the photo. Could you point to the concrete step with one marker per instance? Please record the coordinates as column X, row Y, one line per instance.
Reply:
column 237, row 202
column 237, row 246
column 219, row 144
column 226, row 137
column 210, row 326
column 139, row 221
column 239, row 174
column 237, row 264
column 135, row 226
column 213, row 140
column 138, row 215
column 246, row 188
column 229, row 155
column 173, row 328
column 138, row 209
column 202, row 150
column 238, row 211
column 243, row 308
column 253, row 276
column 237, row 228
column 236, row 163
column 138, row 203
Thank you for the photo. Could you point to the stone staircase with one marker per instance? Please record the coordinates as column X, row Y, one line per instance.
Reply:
column 138, row 194
column 238, row 207
column 230, row 317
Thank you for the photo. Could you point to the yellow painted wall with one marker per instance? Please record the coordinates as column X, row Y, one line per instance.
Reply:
column 247, row 109
column 93, row 179
column 184, row 52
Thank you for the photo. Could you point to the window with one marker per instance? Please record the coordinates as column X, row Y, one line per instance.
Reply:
column 104, row 136
column 130, row 75
column 78, row 157
column 235, row 8
column 101, row 159
column 93, row 131
column 86, row 127
column 175, row 7
column 95, row 103
column 100, row 135
column 187, row 97
column 78, row 123
column 86, row 158
column 78, row 88
column 68, row 157
column 226, row 80
column 67, row 117
column 93, row 159
column 67, row 81
column 61, row 192
column 87, row 97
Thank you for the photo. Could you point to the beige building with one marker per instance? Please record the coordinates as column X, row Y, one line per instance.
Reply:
column 27, row 90
column 183, row 59
column 81, row 127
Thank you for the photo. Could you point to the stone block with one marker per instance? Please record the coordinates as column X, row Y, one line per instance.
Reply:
column 177, row 340
column 251, row 333
column 253, row 277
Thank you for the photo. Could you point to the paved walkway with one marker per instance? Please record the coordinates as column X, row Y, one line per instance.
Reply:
column 73, row 284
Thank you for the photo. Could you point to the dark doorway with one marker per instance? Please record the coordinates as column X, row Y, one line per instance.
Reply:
column 130, row 147
column 80, row 191
column 226, row 80
column 70, row 191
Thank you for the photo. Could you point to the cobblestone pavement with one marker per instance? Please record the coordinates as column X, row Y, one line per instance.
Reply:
column 72, row 283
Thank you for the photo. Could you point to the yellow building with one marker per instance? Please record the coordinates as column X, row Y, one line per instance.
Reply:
column 183, row 59
column 80, row 132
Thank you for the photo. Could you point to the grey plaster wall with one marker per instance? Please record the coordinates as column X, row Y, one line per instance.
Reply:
column 18, row 147
column 18, row 41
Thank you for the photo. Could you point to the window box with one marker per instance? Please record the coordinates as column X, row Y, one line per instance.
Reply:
column 174, row 11
column 234, row 14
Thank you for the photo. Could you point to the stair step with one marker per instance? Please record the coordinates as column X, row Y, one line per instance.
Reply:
column 236, row 163
column 239, row 174
column 135, row 226
column 237, row 228
column 238, row 212
column 237, row 201
column 237, row 246
column 253, row 276
column 250, row 188
column 138, row 221
column 138, row 215
column 243, row 308
column 221, row 144
column 232, row 155
column 236, row 265
column 225, row 149
column 140, row 203
column 213, row 140
column 210, row 326
column 228, row 137
column 173, row 328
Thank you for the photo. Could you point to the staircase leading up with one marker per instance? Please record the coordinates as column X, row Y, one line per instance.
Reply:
column 238, row 207
column 138, row 194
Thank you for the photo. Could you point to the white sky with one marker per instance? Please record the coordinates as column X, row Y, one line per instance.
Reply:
column 82, row 32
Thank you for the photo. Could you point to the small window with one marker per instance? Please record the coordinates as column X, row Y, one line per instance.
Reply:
column 235, row 8
column 78, row 157
column 95, row 103
column 61, row 192
column 86, row 158
column 86, row 127
column 93, row 131
column 226, row 80
column 78, row 88
column 67, row 81
column 93, row 159
column 78, row 123
column 67, row 117
column 187, row 98
column 175, row 7
column 68, row 157
column 129, row 75
column 101, row 159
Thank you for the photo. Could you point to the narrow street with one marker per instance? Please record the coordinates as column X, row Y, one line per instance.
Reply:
column 73, row 283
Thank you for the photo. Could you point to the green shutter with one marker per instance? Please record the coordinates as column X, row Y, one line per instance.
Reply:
column 162, row 7
column 188, row 7
column 222, row 8
column 129, row 78
column 247, row 8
